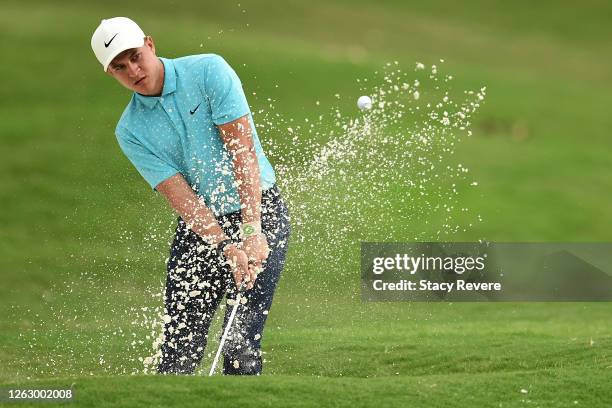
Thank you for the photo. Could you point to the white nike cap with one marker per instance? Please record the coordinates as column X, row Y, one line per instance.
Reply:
column 113, row 36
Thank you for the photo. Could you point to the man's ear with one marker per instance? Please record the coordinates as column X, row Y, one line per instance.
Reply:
column 150, row 43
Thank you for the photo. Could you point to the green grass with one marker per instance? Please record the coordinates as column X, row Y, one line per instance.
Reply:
column 75, row 212
column 499, row 389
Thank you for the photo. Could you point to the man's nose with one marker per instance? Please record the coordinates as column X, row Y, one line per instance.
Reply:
column 133, row 69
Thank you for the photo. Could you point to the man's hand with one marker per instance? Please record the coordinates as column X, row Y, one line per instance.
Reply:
column 257, row 251
column 239, row 262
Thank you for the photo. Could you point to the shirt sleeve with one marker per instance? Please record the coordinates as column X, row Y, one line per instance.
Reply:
column 224, row 91
column 153, row 169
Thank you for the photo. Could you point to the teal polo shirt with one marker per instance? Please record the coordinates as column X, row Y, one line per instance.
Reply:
column 177, row 132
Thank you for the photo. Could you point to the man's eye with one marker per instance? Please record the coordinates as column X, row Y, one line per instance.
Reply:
column 136, row 57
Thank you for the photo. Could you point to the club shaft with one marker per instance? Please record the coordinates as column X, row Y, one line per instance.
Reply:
column 224, row 336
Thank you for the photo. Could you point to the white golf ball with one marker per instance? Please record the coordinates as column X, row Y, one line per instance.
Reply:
column 364, row 102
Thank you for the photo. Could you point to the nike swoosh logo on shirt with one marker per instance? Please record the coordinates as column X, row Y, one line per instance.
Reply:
column 195, row 109
column 106, row 44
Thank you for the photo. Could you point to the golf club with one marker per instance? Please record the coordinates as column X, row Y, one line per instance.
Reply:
column 227, row 328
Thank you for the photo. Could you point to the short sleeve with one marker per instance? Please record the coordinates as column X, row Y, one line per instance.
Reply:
column 224, row 90
column 151, row 168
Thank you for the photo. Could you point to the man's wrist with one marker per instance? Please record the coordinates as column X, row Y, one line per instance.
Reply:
column 222, row 245
column 250, row 229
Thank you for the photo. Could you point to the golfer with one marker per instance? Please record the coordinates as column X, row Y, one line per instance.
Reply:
column 189, row 132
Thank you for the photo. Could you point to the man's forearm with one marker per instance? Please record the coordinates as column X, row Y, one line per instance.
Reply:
column 194, row 212
column 246, row 171
column 200, row 219
column 238, row 139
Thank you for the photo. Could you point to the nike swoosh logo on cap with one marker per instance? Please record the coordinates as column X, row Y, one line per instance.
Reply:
column 195, row 109
column 106, row 44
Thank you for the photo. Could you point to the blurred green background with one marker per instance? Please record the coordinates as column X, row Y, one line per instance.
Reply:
column 83, row 236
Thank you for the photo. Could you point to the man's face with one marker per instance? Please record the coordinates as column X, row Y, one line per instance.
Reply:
column 139, row 69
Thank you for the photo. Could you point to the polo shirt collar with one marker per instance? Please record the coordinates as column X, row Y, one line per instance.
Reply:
column 169, row 85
